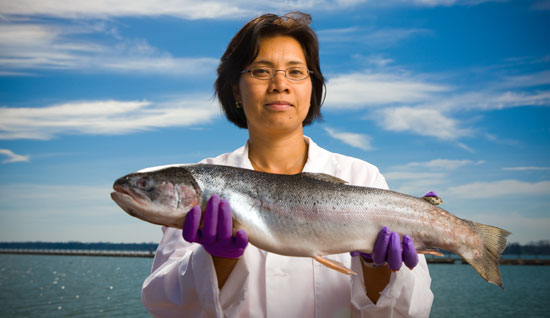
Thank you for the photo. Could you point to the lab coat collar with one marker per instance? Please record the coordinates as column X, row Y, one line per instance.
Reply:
column 318, row 159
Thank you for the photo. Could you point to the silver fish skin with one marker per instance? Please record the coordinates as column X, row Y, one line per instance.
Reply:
column 307, row 214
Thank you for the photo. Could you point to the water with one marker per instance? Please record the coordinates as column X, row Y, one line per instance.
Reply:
column 72, row 286
column 79, row 286
column 460, row 292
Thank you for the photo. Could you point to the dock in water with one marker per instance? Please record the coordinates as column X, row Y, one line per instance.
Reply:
column 79, row 252
column 151, row 254
column 503, row 261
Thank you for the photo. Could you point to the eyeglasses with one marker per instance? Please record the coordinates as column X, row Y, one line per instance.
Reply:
column 295, row 73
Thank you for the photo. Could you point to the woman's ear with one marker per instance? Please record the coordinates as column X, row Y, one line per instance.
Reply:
column 237, row 94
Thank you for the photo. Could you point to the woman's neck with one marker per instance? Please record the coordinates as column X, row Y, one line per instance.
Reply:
column 285, row 154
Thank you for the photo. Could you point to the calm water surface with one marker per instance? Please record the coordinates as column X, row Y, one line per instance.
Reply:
column 460, row 292
column 80, row 286
column 72, row 286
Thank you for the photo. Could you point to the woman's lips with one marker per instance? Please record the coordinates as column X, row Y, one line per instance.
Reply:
column 279, row 105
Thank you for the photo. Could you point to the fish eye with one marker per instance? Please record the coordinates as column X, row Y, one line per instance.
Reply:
column 145, row 184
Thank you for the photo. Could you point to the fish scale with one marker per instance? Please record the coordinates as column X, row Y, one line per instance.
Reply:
column 307, row 214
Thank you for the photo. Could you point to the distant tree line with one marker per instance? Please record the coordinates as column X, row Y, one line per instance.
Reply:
column 531, row 248
column 103, row 246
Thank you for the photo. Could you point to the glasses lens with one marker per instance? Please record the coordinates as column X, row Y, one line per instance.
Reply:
column 297, row 73
column 261, row 73
column 292, row 73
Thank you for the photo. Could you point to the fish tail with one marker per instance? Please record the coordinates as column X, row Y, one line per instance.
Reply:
column 494, row 243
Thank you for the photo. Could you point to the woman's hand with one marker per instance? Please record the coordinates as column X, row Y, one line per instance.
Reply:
column 216, row 235
column 389, row 250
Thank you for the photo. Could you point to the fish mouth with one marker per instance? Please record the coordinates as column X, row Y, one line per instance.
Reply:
column 127, row 200
column 123, row 191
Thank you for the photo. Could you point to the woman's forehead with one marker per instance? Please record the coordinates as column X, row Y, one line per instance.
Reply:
column 274, row 50
column 271, row 64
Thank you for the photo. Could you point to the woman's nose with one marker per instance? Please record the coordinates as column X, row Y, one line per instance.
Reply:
column 279, row 83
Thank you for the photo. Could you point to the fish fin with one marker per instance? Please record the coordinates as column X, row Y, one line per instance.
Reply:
column 433, row 198
column 428, row 251
column 494, row 243
column 324, row 177
column 332, row 264
column 430, row 194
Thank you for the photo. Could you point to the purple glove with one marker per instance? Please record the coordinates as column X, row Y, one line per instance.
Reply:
column 216, row 235
column 387, row 249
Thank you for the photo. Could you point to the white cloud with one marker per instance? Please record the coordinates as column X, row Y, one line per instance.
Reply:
column 31, row 46
column 103, row 117
column 433, row 3
column 378, row 61
column 65, row 212
column 368, row 88
column 531, row 168
column 421, row 121
column 162, row 65
column 444, row 164
column 424, row 106
column 417, row 178
column 356, row 140
column 51, row 196
column 359, row 90
column 448, row 3
column 12, row 157
column 378, row 38
column 465, row 147
column 528, row 80
column 75, row 9
column 489, row 99
column 524, row 229
column 415, row 183
column 515, row 99
column 404, row 175
column 500, row 189
column 349, row 3
column 41, row 46
column 434, row 116
column 189, row 9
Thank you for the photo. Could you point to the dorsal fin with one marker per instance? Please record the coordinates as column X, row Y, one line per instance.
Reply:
column 433, row 198
column 324, row 177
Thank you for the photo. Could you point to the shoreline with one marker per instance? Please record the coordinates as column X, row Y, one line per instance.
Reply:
column 151, row 254
column 103, row 253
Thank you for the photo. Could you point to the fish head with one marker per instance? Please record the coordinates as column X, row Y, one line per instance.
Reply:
column 159, row 197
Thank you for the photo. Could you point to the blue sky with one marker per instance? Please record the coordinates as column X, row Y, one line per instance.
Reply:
column 441, row 95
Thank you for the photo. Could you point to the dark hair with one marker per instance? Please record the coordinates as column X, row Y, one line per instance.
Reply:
column 244, row 48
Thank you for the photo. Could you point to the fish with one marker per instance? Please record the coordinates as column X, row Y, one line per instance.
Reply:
column 309, row 214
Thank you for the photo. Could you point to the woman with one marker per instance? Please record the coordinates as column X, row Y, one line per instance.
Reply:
column 270, row 82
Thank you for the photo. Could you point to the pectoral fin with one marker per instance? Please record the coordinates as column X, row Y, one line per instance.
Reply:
column 332, row 264
column 430, row 252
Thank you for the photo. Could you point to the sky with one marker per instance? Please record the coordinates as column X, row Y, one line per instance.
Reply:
column 443, row 95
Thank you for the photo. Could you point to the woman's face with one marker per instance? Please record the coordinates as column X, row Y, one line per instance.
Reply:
column 277, row 105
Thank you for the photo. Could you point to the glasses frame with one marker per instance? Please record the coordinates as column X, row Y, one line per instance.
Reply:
column 249, row 71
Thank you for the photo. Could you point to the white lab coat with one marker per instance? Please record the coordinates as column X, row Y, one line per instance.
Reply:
column 183, row 281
